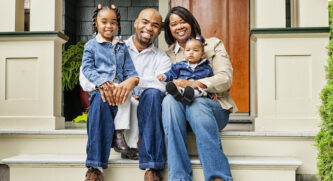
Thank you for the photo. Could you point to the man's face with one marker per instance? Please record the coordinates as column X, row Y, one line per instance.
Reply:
column 147, row 26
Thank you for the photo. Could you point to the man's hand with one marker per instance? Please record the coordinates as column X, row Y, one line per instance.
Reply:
column 123, row 89
column 106, row 90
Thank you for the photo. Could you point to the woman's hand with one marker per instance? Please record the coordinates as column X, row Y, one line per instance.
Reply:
column 123, row 89
column 183, row 83
column 214, row 97
column 106, row 90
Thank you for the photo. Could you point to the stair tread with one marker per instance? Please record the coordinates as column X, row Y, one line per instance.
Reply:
column 116, row 159
column 223, row 133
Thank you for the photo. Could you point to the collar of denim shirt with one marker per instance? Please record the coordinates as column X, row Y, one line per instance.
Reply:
column 114, row 42
column 130, row 44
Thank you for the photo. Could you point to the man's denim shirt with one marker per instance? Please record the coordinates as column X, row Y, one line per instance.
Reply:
column 182, row 70
column 101, row 62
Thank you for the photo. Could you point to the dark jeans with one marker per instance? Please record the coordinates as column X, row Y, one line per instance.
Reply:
column 152, row 148
column 100, row 128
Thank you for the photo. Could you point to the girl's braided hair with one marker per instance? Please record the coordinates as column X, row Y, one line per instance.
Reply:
column 99, row 8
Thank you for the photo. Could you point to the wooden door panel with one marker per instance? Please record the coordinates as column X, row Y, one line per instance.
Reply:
column 239, row 52
column 229, row 21
column 211, row 25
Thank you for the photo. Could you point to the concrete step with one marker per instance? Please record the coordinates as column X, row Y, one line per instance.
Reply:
column 38, row 167
column 235, row 143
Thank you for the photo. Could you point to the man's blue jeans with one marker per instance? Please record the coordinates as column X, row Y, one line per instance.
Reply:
column 205, row 117
column 100, row 128
column 152, row 148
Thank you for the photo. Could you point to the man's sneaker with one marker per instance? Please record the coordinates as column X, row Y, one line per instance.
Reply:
column 93, row 174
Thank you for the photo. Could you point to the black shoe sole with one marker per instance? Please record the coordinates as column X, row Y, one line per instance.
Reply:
column 188, row 95
column 171, row 88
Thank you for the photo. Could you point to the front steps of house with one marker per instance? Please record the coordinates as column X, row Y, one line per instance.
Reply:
column 71, row 167
column 252, row 155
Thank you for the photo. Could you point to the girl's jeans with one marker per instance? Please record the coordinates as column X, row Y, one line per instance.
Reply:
column 206, row 117
column 100, row 128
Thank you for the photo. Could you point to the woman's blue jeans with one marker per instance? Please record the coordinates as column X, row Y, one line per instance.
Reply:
column 152, row 148
column 205, row 117
column 100, row 128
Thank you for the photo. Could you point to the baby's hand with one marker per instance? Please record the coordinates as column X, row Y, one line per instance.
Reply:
column 161, row 77
column 214, row 97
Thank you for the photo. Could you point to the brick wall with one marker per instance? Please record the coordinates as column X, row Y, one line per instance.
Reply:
column 77, row 16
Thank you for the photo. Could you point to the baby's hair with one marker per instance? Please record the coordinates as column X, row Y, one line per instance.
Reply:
column 200, row 39
column 99, row 8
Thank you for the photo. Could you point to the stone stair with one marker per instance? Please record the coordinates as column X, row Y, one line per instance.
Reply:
column 71, row 167
column 253, row 156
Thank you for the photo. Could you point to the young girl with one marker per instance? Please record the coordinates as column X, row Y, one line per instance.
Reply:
column 106, row 63
column 194, row 67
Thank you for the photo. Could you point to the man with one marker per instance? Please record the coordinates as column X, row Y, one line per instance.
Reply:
column 149, row 62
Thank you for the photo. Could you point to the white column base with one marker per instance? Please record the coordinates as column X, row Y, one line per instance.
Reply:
column 31, row 122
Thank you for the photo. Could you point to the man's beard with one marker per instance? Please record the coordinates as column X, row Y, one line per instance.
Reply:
column 143, row 42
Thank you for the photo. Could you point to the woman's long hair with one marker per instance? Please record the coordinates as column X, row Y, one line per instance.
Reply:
column 187, row 16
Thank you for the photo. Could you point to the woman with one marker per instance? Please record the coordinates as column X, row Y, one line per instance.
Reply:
column 205, row 116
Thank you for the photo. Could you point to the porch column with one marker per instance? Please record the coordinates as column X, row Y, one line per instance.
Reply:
column 30, row 69
column 11, row 15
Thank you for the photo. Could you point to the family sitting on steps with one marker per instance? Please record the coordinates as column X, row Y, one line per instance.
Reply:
column 127, row 83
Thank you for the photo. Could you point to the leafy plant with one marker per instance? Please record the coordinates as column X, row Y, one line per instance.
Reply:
column 324, row 138
column 71, row 62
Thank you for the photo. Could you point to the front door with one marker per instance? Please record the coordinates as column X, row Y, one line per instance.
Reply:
column 229, row 21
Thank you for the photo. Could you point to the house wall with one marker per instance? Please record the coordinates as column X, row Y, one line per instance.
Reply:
column 78, row 16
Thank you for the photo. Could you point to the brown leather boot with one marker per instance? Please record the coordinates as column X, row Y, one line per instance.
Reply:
column 153, row 175
column 93, row 174
column 119, row 143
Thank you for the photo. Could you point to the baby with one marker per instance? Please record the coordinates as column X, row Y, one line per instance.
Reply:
column 194, row 67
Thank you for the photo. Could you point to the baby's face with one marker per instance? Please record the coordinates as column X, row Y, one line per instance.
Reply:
column 193, row 51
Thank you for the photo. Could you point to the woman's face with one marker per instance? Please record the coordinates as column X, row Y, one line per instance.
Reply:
column 180, row 29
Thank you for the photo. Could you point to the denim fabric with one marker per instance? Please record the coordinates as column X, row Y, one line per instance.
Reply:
column 205, row 117
column 101, row 62
column 152, row 148
column 100, row 128
column 182, row 70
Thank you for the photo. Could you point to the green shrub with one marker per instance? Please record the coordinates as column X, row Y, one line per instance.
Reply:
column 71, row 62
column 324, row 138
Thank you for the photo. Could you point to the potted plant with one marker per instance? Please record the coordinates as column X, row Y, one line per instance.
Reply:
column 71, row 62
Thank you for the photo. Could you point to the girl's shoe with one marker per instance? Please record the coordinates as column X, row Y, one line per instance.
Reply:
column 172, row 89
column 188, row 95
column 119, row 143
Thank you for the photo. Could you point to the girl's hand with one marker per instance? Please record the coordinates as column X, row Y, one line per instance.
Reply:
column 123, row 89
column 161, row 77
column 214, row 97
column 106, row 90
